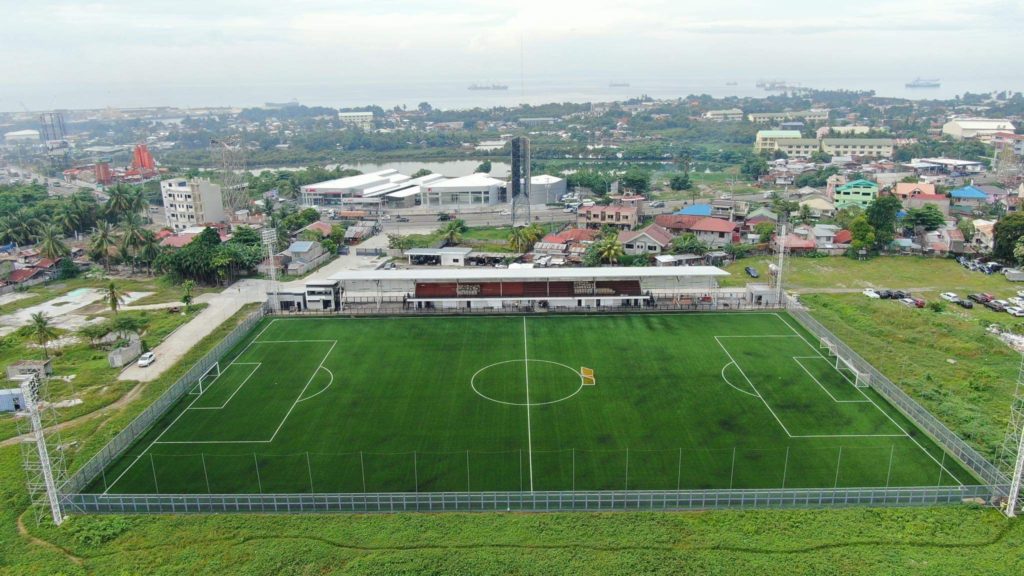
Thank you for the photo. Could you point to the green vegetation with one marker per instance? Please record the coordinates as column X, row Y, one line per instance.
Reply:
column 670, row 415
column 481, row 238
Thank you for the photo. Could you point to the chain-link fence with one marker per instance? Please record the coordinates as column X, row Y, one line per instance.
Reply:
column 923, row 419
column 98, row 463
column 529, row 501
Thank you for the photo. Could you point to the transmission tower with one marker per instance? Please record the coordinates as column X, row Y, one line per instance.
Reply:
column 42, row 453
column 229, row 157
column 521, row 181
column 269, row 237
column 58, row 149
column 1013, row 446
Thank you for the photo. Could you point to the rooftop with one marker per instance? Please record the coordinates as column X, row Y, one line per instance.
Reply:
column 496, row 274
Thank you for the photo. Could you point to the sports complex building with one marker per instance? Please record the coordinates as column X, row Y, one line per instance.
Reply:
column 516, row 290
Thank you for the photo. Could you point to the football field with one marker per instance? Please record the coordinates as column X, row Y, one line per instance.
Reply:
column 429, row 404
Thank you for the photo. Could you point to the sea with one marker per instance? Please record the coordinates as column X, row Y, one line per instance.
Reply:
column 455, row 94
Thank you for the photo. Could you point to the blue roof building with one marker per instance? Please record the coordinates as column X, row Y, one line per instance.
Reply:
column 968, row 193
column 696, row 210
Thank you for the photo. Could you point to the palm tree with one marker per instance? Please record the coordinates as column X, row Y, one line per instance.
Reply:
column 610, row 249
column 51, row 242
column 131, row 237
column 19, row 227
column 688, row 243
column 113, row 297
column 149, row 249
column 451, row 232
column 119, row 201
column 42, row 330
column 186, row 297
column 67, row 217
column 518, row 239
column 102, row 240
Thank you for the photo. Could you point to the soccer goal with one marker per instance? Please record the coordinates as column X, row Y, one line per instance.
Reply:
column 208, row 377
column 588, row 376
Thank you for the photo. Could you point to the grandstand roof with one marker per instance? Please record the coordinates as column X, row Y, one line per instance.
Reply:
column 496, row 274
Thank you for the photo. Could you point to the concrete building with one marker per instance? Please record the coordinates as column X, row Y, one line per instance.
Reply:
column 981, row 128
column 768, row 140
column 651, row 240
column 332, row 193
column 21, row 137
column 814, row 115
column 730, row 115
column 546, row 189
column 468, row 191
column 859, row 147
column 11, row 400
column 189, row 203
column 851, row 130
column 714, row 232
column 798, row 147
column 860, row 193
column 361, row 120
column 623, row 217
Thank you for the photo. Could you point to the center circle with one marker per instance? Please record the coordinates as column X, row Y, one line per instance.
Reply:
column 512, row 382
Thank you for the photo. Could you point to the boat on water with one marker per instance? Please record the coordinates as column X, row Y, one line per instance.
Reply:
column 924, row 83
column 618, row 84
column 488, row 86
column 732, row 83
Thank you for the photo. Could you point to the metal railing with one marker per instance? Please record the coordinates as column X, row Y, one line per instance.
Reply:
column 530, row 501
column 922, row 418
column 142, row 423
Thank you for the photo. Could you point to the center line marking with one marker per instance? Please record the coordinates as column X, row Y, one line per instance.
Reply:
column 529, row 431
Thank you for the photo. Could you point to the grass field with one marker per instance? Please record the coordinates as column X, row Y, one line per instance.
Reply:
column 452, row 404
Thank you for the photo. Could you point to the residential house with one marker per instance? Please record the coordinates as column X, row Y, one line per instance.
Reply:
column 794, row 244
column 676, row 223
column 305, row 255
column 921, row 200
column 319, row 227
column 984, row 235
column 860, row 193
column 714, row 232
column 701, row 210
column 904, row 190
column 819, row 205
column 969, row 196
column 759, row 215
column 623, row 217
column 731, row 210
column 651, row 240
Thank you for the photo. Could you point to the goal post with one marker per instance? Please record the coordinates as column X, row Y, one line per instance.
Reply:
column 208, row 377
column 588, row 376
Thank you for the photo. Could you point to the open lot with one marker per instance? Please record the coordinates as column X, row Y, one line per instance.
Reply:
column 498, row 403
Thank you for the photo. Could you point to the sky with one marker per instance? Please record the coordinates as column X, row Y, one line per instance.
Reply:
column 228, row 52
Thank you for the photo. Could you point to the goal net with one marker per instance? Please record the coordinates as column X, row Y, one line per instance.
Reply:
column 208, row 377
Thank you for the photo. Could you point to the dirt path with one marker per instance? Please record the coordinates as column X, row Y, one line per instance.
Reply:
column 24, row 533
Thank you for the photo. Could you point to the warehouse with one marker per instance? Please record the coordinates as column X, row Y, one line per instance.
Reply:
column 472, row 190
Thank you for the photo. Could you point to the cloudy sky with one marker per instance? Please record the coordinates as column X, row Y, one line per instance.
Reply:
column 185, row 52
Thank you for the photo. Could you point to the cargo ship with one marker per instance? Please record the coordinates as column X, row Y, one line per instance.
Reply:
column 488, row 86
column 924, row 83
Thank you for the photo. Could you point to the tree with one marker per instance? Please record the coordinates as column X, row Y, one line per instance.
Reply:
column 1006, row 233
column 113, row 297
column 737, row 251
column 754, row 168
column 51, row 242
column 610, row 249
column 636, row 180
column 517, row 239
column 120, row 201
column 186, row 294
column 484, row 167
column 1018, row 250
column 422, row 172
column 863, row 234
column 399, row 242
column 928, row 217
column 820, row 157
column 688, row 243
column 42, row 330
column 764, row 230
column 680, row 182
column 966, row 227
column 425, row 107
column 805, row 216
column 451, row 232
column 846, row 216
column 881, row 215
column 68, row 269
column 131, row 236
column 102, row 240
column 149, row 249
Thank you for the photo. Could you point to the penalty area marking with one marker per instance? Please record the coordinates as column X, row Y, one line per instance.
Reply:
column 472, row 383
column 322, row 390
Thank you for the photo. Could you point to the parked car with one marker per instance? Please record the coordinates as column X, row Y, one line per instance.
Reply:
column 751, row 272
column 1015, row 311
column 146, row 359
column 885, row 294
column 900, row 294
column 1003, row 303
column 657, row 204
column 994, row 306
column 401, row 219
column 908, row 302
column 1020, row 293
column 1016, row 301
column 980, row 298
column 870, row 293
column 965, row 304
column 919, row 302
column 949, row 297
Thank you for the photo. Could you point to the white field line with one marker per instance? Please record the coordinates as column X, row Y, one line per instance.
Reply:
column 225, row 403
column 324, row 389
column 733, row 385
column 822, row 386
column 529, row 427
column 752, row 387
column 327, row 355
column 884, row 413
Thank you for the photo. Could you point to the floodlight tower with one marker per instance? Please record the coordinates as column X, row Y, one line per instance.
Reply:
column 45, row 471
column 1013, row 446
column 780, row 239
column 229, row 155
column 521, row 181
column 269, row 237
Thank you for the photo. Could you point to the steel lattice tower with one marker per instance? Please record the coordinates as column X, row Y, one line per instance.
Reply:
column 1013, row 446
column 42, row 456
column 521, row 181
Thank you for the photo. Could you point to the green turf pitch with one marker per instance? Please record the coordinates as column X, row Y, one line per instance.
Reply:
column 497, row 403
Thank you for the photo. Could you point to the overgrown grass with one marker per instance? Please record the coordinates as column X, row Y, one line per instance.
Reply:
column 163, row 290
